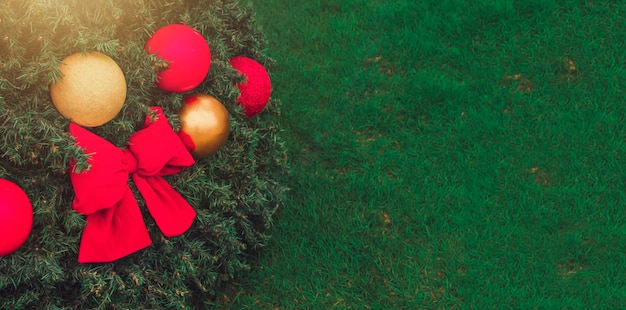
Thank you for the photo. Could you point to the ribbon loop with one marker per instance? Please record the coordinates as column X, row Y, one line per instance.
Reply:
column 115, row 227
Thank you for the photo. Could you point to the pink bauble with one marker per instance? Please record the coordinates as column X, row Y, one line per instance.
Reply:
column 16, row 217
column 255, row 91
column 187, row 53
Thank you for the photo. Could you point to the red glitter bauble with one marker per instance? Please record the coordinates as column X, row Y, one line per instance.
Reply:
column 255, row 91
column 187, row 53
column 16, row 217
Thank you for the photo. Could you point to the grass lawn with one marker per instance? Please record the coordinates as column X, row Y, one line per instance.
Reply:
column 447, row 154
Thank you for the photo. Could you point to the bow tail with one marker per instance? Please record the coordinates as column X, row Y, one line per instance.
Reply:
column 113, row 233
column 171, row 212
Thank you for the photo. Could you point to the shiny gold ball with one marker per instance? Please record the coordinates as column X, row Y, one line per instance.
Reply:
column 204, row 124
column 92, row 89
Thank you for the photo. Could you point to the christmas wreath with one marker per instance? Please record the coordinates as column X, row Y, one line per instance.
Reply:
column 140, row 161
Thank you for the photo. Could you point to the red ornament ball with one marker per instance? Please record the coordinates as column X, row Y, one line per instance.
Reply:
column 255, row 91
column 187, row 53
column 16, row 217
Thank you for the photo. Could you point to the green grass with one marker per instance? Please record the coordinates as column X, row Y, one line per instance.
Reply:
column 447, row 154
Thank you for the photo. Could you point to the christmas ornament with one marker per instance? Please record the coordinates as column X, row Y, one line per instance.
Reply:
column 115, row 227
column 256, row 89
column 16, row 217
column 188, row 55
column 92, row 89
column 205, row 124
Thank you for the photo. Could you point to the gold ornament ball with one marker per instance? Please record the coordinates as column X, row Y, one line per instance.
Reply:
column 205, row 124
column 92, row 89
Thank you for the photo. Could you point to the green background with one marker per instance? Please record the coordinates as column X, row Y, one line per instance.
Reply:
column 446, row 155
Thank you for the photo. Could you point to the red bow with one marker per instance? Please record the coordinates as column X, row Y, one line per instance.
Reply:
column 115, row 227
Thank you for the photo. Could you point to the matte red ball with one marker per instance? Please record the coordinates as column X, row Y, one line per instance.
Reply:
column 255, row 91
column 187, row 53
column 16, row 217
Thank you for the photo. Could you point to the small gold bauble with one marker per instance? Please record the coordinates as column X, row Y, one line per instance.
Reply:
column 92, row 89
column 204, row 124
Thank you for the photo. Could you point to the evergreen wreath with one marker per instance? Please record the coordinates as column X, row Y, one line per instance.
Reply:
column 234, row 192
